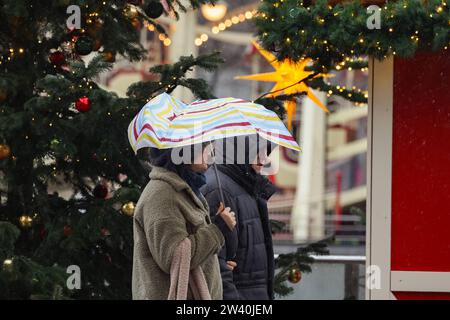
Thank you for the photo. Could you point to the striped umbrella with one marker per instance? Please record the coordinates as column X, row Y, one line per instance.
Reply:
column 166, row 122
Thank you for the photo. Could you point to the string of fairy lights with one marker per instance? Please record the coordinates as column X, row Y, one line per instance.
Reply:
column 10, row 54
column 217, row 28
column 166, row 41
column 271, row 13
column 225, row 24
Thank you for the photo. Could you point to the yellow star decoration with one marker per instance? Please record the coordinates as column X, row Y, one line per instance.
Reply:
column 286, row 75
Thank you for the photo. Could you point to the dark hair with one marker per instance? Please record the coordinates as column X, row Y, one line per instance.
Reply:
column 253, row 145
column 163, row 158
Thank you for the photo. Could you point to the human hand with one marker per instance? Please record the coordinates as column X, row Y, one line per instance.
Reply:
column 231, row 265
column 227, row 215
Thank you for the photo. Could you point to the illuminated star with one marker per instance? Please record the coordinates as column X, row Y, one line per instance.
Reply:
column 286, row 76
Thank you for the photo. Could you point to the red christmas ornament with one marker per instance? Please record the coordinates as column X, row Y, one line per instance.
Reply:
column 43, row 233
column 294, row 275
column 57, row 58
column 100, row 191
column 83, row 104
column 97, row 45
column 67, row 231
column 105, row 232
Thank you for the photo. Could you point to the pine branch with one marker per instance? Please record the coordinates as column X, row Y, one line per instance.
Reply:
column 300, row 260
column 276, row 226
column 328, row 33
column 170, row 76
column 8, row 236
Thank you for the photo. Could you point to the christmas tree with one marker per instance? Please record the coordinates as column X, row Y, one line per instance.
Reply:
column 57, row 126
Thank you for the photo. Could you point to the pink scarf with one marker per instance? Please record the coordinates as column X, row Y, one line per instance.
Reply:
column 181, row 277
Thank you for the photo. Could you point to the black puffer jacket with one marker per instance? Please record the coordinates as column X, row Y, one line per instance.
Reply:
column 250, row 244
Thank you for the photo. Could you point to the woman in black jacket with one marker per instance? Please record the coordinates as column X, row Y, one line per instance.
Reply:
column 246, row 260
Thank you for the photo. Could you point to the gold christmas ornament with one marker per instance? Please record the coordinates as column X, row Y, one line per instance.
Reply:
column 294, row 275
column 3, row 95
column 8, row 265
column 5, row 151
column 130, row 11
column 26, row 221
column 109, row 56
column 128, row 209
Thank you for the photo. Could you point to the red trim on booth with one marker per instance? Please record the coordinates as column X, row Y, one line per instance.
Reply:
column 422, row 295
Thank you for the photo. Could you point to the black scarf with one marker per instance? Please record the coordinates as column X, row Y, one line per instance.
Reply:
column 255, row 184
column 194, row 179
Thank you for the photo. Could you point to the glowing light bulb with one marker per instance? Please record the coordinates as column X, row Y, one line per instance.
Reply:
column 214, row 12
column 198, row 42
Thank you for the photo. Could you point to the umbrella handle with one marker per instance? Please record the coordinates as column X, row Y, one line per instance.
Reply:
column 216, row 172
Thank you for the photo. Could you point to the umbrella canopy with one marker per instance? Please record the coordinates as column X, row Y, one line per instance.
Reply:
column 166, row 122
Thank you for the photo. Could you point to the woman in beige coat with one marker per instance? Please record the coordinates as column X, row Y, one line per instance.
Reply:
column 171, row 209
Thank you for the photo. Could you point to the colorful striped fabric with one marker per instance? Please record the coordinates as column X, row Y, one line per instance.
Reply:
column 166, row 122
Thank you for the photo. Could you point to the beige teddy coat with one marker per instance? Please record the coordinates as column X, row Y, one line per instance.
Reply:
column 167, row 212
